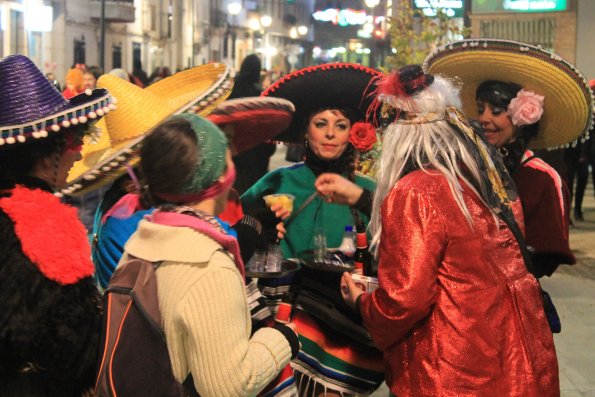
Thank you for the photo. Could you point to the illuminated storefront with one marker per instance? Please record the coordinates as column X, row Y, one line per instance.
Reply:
column 547, row 23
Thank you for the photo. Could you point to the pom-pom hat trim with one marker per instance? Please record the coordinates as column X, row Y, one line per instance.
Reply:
column 568, row 104
column 139, row 112
column 31, row 108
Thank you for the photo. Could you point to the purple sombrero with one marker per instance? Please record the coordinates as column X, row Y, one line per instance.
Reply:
column 333, row 85
column 31, row 108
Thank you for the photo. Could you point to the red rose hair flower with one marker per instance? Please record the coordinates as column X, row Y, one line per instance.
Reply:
column 362, row 136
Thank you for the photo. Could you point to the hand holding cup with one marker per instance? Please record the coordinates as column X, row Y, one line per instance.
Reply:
column 280, row 204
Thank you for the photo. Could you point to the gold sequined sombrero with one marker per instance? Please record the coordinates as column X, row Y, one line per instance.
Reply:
column 568, row 104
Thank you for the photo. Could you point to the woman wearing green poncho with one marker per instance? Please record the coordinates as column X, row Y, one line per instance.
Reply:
column 300, row 180
column 329, row 101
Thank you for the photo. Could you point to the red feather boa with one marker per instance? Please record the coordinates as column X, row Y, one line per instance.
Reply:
column 51, row 235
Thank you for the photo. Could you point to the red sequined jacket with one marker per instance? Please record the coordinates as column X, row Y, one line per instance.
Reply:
column 457, row 313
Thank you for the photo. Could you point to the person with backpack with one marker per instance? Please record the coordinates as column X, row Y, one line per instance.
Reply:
column 198, row 280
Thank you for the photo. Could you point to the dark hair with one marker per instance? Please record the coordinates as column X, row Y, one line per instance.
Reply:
column 17, row 161
column 249, row 70
column 95, row 71
column 500, row 93
column 497, row 93
column 350, row 114
column 168, row 158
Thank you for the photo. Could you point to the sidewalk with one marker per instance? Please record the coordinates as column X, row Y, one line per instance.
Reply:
column 573, row 290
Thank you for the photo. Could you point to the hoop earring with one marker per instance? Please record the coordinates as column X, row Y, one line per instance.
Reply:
column 503, row 151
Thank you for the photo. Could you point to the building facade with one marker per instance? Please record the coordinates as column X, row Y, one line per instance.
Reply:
column 177, row 34
column 568, row 31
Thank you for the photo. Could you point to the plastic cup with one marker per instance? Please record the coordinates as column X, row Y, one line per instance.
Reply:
column 257, row 262
column 274, row 259
column 283, row 199
column 319, row 244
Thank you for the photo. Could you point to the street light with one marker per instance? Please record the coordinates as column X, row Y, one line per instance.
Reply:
column 302, row 30
column 233, row 8
column 254, row 24
column 293, row 33
column 266, row 21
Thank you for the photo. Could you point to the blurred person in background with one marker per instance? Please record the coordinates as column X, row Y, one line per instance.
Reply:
column 74, row 83
column 51, row 76
column 253, row 163
column 90, row 76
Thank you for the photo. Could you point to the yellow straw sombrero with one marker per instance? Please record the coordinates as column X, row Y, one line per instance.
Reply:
column 568, row 105
column 138, row 112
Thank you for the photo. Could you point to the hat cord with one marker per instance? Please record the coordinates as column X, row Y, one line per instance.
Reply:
column 57, row 155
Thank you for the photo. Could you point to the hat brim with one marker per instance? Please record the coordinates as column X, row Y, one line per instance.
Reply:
column 203, row 86
column 87, row 107
column 254, row 119
column 329, row 86
column 568, row 104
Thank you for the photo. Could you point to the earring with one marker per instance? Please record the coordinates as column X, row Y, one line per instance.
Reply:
column 503, row 151
column 306, row 142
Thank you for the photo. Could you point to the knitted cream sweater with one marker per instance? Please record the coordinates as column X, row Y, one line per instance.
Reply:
column 205, row 314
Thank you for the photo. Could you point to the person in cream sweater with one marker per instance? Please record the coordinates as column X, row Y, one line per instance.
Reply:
column 200, row 278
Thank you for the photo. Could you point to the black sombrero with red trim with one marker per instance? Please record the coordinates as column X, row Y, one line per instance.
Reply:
column 328, row 86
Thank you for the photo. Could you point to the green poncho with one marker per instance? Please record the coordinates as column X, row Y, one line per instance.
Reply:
column 298, row 180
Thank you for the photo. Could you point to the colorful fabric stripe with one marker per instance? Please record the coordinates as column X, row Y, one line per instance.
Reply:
column 282, row 386
column 334, row 361
column 259, row 310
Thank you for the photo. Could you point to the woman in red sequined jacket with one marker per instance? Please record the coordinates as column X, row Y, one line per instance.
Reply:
column 456, row 312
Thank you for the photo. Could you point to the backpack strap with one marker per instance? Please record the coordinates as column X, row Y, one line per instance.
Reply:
column 138, row 277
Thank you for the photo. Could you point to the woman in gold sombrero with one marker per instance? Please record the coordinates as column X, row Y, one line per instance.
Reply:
column 525, row 98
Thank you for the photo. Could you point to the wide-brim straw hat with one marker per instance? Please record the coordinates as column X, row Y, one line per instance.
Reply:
column 254, row 119
column 31, row 108
column 328, row 86
column 139, row 111
column 568, row 103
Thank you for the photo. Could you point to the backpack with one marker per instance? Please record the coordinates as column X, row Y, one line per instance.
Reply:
column 135, row 359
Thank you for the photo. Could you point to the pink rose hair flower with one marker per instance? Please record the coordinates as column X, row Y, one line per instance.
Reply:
column 362, row 136
column 526, row 108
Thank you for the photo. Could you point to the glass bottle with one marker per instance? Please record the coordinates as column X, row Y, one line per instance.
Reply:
column 362, row 257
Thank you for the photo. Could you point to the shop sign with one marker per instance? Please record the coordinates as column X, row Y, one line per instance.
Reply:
column 485, row 6
column 339, row 17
